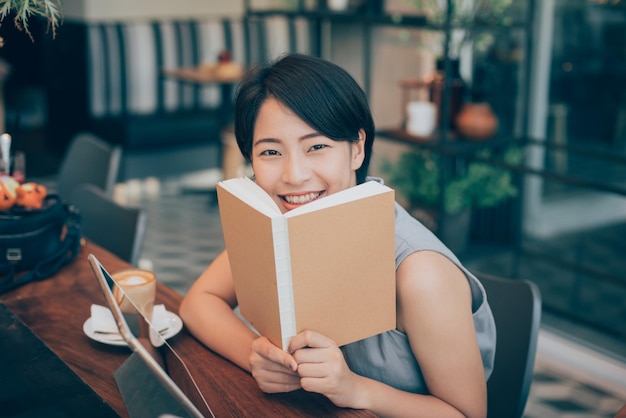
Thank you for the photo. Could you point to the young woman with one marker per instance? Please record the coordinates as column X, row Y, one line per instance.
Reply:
column 305, row 126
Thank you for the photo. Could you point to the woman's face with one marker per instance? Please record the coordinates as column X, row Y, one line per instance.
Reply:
column 294, row 163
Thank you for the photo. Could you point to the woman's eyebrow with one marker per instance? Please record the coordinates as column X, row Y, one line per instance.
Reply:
column 311, row 135
column 278, row 141
column 266, row 140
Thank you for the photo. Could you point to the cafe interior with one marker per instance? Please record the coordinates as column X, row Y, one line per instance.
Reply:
column 518, row 104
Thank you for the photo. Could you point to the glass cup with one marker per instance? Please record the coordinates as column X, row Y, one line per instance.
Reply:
column 14, row 166
column 5, row 165
column 19, row 167
column 422, row 118
column 135, row 292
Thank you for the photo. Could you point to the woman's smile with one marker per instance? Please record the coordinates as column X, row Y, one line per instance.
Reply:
column 301, row 199
column 294, row 163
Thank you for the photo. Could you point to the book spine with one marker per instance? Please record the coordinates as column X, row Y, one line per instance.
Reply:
column 284, row 283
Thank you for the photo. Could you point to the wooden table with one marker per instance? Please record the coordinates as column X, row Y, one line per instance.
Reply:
column 55, row 310
column 210, row 76
column 200, row 76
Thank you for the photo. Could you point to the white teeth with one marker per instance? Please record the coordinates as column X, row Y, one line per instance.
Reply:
column 298, row 200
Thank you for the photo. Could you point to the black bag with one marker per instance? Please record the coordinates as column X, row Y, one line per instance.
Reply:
column 38, row 241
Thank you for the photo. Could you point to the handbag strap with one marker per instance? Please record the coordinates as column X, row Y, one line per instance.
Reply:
column 67, row 251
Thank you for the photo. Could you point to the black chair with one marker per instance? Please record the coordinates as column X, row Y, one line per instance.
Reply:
column 119, row 229
column 89, row 160
column 516, row 307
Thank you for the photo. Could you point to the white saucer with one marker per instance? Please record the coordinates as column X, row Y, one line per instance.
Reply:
column 175, row 326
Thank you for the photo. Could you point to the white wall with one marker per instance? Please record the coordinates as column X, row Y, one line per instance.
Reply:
column 104, row 10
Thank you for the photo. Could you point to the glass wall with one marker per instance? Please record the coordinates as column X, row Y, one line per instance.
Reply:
column 574, row 230
column 588, row 71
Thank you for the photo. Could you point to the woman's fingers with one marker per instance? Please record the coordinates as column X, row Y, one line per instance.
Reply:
column 265, row 349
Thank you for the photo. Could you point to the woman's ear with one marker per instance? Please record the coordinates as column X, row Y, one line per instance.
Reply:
column 358, row 151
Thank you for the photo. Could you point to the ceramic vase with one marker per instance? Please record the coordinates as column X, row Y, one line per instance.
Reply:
column 476, row 121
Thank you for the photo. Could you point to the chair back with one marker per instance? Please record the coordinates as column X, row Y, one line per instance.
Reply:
column 89, row 160
column 119, row 229
column 516, row 307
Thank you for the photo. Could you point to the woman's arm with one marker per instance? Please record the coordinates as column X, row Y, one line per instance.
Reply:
column 434, row 310
column 207, row 311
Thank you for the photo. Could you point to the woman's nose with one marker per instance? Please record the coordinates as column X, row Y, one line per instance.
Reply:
column 296, row 170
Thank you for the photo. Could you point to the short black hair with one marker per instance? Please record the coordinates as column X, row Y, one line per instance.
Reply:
column 319, row 92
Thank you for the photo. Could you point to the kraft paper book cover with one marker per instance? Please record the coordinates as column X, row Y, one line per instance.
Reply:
column 328, row 266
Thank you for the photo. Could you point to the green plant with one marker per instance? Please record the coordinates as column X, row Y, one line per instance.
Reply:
column 291, row 4
column 466, row 19
column 416, row 177
column 466, row 11
column 25, row 9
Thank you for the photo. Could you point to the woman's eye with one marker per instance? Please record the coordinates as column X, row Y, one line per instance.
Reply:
column 318, row 147
column 269, row 152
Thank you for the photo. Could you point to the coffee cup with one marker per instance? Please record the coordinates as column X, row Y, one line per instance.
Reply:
column 134, row 292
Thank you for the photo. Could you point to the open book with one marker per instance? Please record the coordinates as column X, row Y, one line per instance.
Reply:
column 328, row 266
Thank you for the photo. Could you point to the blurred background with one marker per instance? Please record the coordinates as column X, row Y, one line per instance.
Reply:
column 540, row 177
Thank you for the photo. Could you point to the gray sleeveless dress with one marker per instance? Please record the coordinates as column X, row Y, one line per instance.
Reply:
column 387, row 357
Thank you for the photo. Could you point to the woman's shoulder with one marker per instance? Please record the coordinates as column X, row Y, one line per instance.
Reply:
column 429, row 255
column 430, row 272
column 413, row 236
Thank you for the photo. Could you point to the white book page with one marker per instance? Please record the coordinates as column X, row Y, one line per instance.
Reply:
column 252, row 194
column 284, row 280
column 369, row 188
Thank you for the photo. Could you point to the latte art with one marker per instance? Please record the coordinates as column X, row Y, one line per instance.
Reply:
column 133, row 280
column 138, row 286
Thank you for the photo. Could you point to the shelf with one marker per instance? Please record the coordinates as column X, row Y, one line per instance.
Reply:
column 453, row 146
column 393, row 20
column 348, row 17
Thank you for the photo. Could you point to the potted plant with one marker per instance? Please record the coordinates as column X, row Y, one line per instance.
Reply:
column 477, row 184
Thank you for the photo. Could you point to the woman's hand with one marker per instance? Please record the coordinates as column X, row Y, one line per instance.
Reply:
column 323, row 369
column 273, row 369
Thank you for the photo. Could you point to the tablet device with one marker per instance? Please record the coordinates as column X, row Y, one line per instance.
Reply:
column 146, row 387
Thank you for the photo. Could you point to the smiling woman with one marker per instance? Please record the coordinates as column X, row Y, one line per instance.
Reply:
column 295, row 155
column 330, row 103
column 305, row 126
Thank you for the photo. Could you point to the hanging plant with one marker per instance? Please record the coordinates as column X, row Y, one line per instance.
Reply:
column 466, row 11
column 23, row 10
column 466, row 19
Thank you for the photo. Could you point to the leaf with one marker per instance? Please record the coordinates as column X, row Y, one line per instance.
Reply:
column 25, row 9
